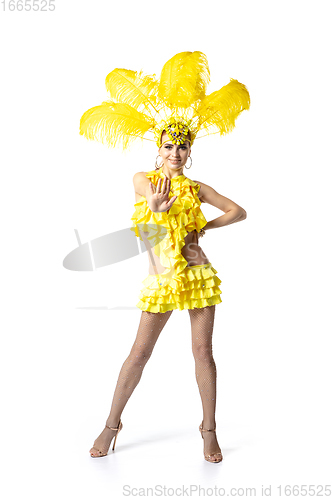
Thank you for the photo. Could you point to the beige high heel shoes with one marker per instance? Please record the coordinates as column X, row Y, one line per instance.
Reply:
column 118, row 429
column 218, row 455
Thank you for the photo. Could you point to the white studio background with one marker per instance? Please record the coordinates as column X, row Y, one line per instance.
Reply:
column 66, row 334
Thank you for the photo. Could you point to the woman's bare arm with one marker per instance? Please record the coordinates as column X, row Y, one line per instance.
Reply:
column 141, row 183
column 233, row 212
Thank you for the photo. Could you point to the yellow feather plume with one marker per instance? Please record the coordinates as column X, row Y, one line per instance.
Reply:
column 184, row 79
column 140, row 103
column 133, row 88
column 115, row 124
column 221, row 108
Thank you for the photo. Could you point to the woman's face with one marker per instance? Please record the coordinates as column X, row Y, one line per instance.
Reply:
column 174, row 155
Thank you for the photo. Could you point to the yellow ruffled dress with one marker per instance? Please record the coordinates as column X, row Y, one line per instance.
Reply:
column 180, row 286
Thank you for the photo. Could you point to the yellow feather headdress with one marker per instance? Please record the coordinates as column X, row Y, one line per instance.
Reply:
column 177, row 103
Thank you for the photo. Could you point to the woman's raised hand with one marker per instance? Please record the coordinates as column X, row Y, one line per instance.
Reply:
column 158, row 197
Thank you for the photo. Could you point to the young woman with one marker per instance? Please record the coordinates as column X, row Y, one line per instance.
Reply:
column 167, row 217
column 157, row 199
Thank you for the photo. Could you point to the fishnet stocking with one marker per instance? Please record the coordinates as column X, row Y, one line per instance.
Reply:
column 150, row 327
column 202, row 324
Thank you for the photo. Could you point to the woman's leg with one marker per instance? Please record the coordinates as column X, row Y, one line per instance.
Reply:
column 150, row 326
column 202, row 324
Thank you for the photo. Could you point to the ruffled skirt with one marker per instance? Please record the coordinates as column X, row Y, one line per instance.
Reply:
column 196, row 287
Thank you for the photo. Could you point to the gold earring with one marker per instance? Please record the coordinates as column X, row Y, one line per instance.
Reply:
column 157, row 166
column 191, row 163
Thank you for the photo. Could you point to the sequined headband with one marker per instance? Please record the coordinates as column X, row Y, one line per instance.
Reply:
column 177, row 129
